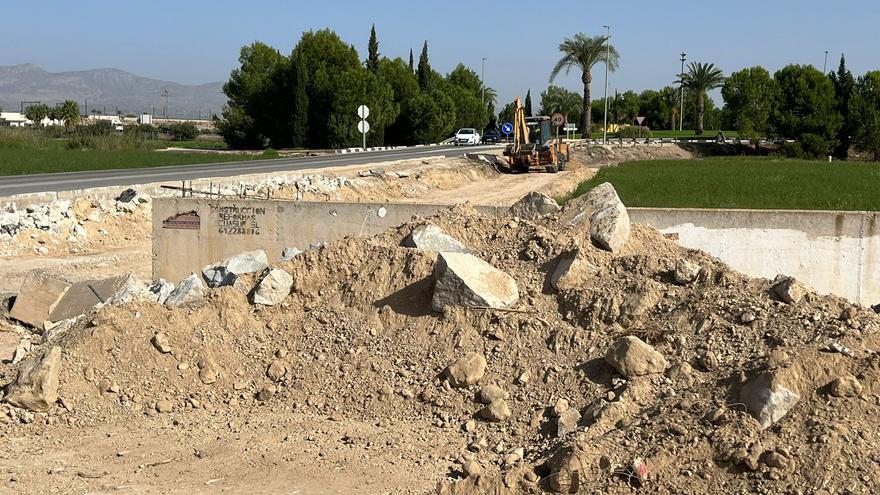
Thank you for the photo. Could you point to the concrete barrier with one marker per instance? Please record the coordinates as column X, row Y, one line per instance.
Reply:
column 834, row 252
column 189, row 233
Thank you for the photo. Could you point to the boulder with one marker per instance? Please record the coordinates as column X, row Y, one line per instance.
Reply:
column 35, row 386
column 768, row 397
column 289, row 253
column 159, row 291
column 632, row 357
column 609, row 220
column 467, row 370
column 686, row 272
column 496, row 412
column 226, row 272
column 572, row 272
column 189, row 292
column 490, row 393
column 567, row 422
column 462, row 279
column 788, row 289
column 429, row 237
column 846, row 386
column 273, row 288
column 533, row 206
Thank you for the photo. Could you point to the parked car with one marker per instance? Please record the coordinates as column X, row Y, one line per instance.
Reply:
column 465, row 136
column 491, row 136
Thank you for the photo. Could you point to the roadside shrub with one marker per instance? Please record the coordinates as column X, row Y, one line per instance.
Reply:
column 270, row 153
column 183, row 131
column 815, row 146
column 792, row 150
column 634, row 132
column 108, row 142
column 12, row 138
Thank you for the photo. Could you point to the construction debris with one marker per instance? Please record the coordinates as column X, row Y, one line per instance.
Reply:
column 429, row 237
column 464, row 280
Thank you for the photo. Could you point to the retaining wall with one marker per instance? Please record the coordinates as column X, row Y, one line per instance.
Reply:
column 189, row 233
column 835, row 252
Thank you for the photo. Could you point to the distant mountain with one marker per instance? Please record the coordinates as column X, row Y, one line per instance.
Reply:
column 107, row 89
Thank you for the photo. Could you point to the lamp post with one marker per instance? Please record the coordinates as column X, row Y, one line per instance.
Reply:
column 607, row 60
column 483, row 83
column 825, row 67
column 681, row 78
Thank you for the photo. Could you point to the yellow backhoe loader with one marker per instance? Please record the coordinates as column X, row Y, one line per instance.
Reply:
column 533, row 145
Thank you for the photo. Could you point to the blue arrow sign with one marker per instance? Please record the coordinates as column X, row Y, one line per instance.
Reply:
column 507, row 128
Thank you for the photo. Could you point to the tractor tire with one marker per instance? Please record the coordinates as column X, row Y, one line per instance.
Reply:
column 552, row 169
column 560, row 164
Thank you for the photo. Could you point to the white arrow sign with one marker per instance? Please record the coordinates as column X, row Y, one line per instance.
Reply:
column 363, row 127
column 363, row 111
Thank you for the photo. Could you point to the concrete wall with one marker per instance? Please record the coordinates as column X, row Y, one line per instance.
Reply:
column 189, row 233
column 835, row 252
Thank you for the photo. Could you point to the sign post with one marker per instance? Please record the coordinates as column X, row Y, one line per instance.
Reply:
column 363, row 125
column 558, row 120
column 507, row 128
column 640, row 119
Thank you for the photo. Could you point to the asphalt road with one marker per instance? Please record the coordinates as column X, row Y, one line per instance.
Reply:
column 23, row 184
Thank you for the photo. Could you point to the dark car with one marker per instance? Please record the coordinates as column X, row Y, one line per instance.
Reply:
column 491, row 136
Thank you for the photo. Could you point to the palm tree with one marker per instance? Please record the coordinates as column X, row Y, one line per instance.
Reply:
column 69, row 113
column 561, row 100
column 583, row 52
column 701, row 78
column 671, row 98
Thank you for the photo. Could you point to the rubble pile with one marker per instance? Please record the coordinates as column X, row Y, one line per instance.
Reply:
column 571, row 353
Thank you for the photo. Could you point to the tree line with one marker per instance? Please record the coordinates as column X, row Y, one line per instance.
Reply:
column 309, row 98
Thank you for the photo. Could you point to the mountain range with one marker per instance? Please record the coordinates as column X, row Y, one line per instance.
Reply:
column 107, row 90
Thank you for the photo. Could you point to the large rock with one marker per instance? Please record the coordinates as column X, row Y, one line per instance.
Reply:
column 789, row 289
column 533, row 206
column 572, row 272
column 686, row 272
column 609, row 220
column 189, row 292
column 274, row 287
column 466, row 370
column 429, row 237
column 632, row 357
column 290, row 253
column 35, row 387
column 40, row 294
column 567, row 422
column 159, row 291
column 225, row 273
column 462, row 279
column 846, row 386
column 768, row 398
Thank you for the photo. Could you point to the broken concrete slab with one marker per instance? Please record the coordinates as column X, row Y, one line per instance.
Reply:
column 289, row 253
column 39, row 296
column 461, row 279
column 274, row 287
column 429, row 237
column 533, row 206
column 9, row 341
column 224, row 273
column 85, row 295
column 35, row 386
column 159, row 291
column 189, row 292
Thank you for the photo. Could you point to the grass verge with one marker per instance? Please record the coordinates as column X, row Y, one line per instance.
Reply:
column 743, row 182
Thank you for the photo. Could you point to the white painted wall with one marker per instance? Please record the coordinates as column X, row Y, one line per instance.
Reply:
column 835, row 252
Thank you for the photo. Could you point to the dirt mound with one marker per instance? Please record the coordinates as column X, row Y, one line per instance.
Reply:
column 357, row 341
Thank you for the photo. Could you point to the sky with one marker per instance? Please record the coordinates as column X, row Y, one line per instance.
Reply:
column 198, row 41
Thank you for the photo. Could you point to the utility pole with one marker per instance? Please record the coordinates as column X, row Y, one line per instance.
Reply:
column 825, row 67
column 607, row 60
column 681, row 81
column 87, row 107
column 165, row 111
column 483, row 81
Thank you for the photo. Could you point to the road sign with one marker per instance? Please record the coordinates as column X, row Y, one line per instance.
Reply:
column 570, row 127
column 363, row 111
column 363, row 127
column 557, row 119
column 640, row 119
column 507, row 128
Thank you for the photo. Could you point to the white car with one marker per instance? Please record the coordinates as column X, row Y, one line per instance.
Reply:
column 467, row 135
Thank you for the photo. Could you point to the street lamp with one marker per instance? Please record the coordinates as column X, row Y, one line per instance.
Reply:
column 607, row 60
column 483, row 81
column 681, row 78
column 825, row 67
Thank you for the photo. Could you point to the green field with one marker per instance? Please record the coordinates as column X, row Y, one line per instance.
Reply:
column 739, row 182
column 26, row 152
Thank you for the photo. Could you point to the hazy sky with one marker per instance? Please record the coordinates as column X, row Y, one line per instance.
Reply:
column 198, row 41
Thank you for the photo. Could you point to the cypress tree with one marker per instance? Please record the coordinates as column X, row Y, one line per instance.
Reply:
column 300, row 101
column 424, row 69
column 844, row 87
column 411, row 66
column 373, row 49
column 528, row 105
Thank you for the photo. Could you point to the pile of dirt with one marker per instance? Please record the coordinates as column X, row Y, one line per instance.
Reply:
column 357, row 340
